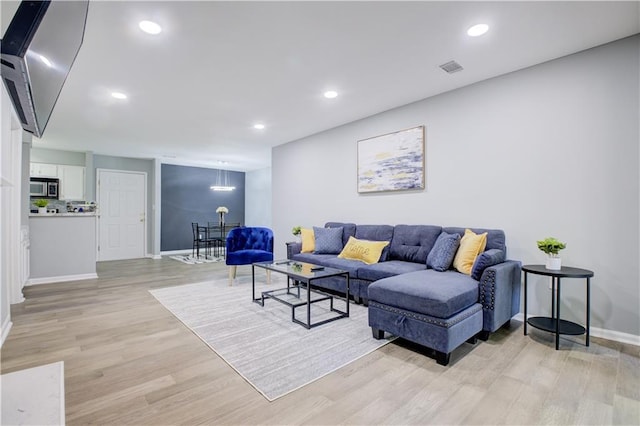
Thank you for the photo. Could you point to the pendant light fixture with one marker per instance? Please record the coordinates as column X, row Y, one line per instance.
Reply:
column 222, row 182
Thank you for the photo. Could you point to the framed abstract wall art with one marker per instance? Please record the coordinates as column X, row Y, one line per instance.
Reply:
column 392, row 162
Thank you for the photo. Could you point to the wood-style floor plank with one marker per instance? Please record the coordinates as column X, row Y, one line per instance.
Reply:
column 129, row 361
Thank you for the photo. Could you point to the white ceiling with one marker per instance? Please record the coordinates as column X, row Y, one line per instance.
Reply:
column 217, row 68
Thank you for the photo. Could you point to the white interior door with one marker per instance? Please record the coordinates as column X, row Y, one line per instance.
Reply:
column 122, row 214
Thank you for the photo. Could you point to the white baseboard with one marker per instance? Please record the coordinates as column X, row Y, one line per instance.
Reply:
column 6, row 327
column 616, row 336
column 174, row 252
column 154, row 256
column 603, row 333
column 49, row 280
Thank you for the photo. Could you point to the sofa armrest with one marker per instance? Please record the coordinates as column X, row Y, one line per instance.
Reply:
column 499, row 290
column 293, row 248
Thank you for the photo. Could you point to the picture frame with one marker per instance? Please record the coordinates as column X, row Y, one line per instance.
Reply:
column 392, row 162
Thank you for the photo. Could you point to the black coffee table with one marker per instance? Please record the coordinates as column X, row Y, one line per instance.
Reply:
column 300, row 276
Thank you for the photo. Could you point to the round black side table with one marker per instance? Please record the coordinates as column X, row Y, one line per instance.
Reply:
column 554, row 324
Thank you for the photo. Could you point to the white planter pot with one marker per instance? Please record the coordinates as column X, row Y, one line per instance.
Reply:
column 554, row 263
column 42, row 210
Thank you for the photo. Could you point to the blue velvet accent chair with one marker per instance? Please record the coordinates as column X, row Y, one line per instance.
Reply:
column 247, row 245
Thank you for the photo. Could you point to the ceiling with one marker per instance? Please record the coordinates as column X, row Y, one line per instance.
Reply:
column 217, row 68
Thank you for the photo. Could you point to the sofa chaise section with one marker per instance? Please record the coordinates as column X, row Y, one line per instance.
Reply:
column 439, row 310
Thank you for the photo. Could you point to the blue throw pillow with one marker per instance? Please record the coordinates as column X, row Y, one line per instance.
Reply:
column 328, row 240
column 484, row 260
column 444, row 250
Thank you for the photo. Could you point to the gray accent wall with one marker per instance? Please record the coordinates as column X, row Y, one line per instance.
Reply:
column 550, row 150
column 186, row 197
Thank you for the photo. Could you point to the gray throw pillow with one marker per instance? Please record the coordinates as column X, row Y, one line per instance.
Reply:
column 444, row 250
column 486, row 259
column 328, row 240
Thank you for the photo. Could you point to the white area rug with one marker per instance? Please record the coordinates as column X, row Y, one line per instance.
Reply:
column 195, row 260
column 275, row 355
column 34, row 396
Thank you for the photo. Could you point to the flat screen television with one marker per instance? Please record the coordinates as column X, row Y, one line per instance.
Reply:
column 38, row 49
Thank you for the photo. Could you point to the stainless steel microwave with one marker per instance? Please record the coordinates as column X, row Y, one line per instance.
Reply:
column 44, row 188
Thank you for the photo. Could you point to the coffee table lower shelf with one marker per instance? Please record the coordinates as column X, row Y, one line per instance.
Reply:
column 300, row 276
column 288, row 298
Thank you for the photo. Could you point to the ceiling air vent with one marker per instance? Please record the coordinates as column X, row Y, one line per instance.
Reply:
column 451, row 67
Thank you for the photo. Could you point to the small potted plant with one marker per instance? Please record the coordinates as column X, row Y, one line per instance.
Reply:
column 551, row 246
column 296, row 230
column 42, row 205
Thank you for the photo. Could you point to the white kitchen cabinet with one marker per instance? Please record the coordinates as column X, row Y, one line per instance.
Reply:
column 71, row 182
column 44, row 170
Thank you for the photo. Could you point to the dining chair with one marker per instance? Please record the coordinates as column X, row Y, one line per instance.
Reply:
column 215, row 232
column 200, row 239
column 229, row 226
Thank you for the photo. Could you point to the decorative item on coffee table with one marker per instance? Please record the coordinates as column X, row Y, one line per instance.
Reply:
column 551, row 246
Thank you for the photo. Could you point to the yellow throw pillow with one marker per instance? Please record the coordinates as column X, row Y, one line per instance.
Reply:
column 367, row 251
column 308, row 240
column 471, row 245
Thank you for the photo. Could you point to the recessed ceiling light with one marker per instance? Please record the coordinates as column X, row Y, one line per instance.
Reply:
column 118, row 95
column 330, row 94
column 258, row 126
column 150, row 27
column 477, row 30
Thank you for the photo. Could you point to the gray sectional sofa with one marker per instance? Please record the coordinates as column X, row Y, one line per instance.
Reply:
column 439, row 310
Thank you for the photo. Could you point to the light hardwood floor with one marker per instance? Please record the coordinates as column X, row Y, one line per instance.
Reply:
column 129, row 361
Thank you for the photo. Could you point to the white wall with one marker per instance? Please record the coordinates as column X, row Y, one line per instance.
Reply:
column 55, row 156
column 551, row 150
column 257, row 201
column 11, row 253
column 5, row 138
